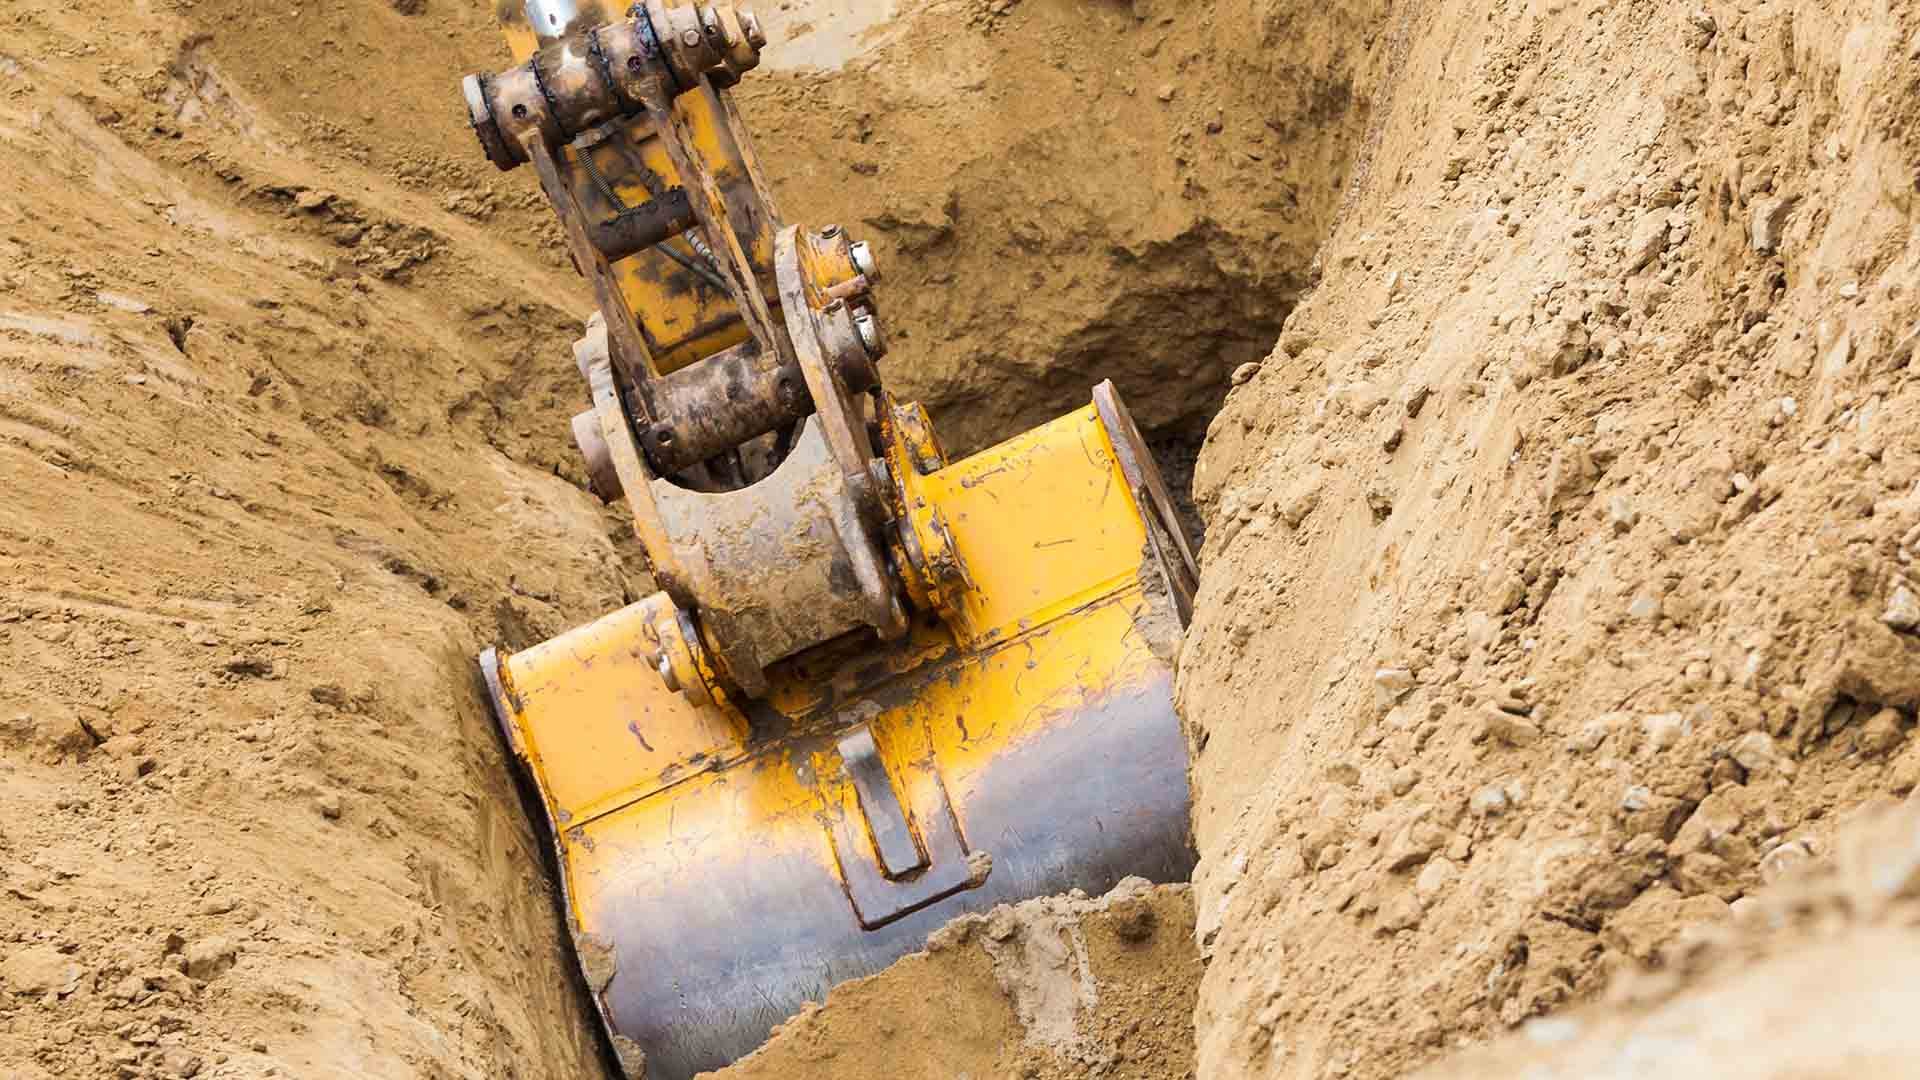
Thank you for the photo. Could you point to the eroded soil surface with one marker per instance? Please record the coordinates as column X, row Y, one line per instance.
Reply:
column 1555, row 665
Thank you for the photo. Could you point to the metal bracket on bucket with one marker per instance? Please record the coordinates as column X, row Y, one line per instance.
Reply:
column 895, row 858
column 1164, row 531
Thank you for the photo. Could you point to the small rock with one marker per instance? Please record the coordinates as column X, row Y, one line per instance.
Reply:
column 1903, row 610
column 1245, row 372
column 121, row 746
column 1664, row 729
column 1506, row 728
column 1704, row 873
column 123, row 303
column 1648, row 241
column 1166, row 92
column 1433, row 878
column 1881, row 733
column 1133, row 920
column 1404, row 778
column 1002, row 925
column 1390, row 684
column 329, row 806
column 1644, row 608
column 1769, row 218
column 312, row 199
column 1636, row 798
column 1703, row 28
column 210, row 958
column 1413, row 844
column 1403, row 912
column 1488, row 801
column 1716, row 818
column 1508, row 593
column 1621, row 513
column 39, row 969
column 1300, row 502
column 1594, row 732
column 1777, row 863
column 179, row 1061
column 1513, row 699
column 1755, row 752
column 1480, row 628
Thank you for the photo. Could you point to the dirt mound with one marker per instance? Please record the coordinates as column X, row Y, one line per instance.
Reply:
column 1053, row 988
column 1558, row 585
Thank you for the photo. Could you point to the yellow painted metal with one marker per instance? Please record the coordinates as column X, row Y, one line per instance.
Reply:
column 721, row 858
column 727, row 844
column 790, row 787
column 1065, row 548
column 1045, row 524
column 595, row 725
column 682, row 318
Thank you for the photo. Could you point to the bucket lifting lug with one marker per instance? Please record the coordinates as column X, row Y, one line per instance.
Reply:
column 896, row 856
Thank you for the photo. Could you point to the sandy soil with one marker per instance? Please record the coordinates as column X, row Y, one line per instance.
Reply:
column 283, row 435
column 1557, row 583
column 1558, row 603
column 1061, row 193
column 1051, row 989
column 262, row 502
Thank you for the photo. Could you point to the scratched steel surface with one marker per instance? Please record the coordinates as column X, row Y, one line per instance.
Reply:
column 731, row 899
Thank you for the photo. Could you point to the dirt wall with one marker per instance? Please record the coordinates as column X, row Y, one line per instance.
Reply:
column 261, row 508
column 1558, row 587
column 1060, row 192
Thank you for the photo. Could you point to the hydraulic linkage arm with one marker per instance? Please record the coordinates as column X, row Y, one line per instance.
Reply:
column 875, row 689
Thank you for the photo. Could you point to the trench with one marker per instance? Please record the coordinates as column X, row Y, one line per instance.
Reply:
column 1059, row 193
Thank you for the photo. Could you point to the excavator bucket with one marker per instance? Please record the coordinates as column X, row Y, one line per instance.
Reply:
column 875, row 690
column 722, row 866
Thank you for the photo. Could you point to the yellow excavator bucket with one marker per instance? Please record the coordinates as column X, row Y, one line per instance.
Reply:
column 875, row 690
column 724, row 865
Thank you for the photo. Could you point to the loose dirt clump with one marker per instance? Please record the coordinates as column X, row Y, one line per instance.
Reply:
column 1799, row 984
column 1050, row 989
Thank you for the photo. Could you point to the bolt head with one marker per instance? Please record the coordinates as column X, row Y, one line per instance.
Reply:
column 750, row 26
column 862, row 254
column 869, row 327
column 690, row 38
